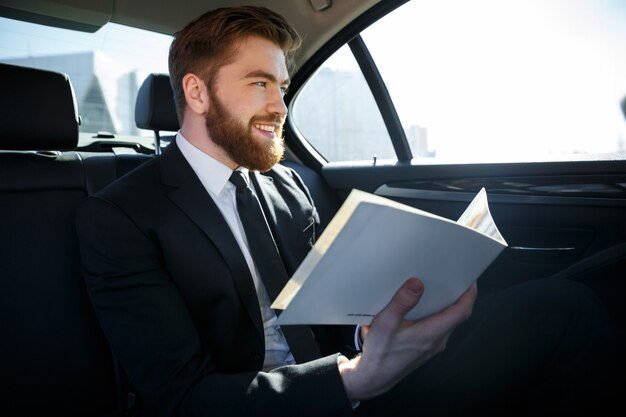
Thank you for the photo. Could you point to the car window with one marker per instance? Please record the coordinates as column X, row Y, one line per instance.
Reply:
column 494, row 81
column 337, row 113
column 106, row 68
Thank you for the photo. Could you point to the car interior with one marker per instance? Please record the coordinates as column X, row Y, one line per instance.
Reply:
column 561, row 218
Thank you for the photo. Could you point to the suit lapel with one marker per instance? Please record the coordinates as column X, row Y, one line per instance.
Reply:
column 267, row 193
column 192, row 198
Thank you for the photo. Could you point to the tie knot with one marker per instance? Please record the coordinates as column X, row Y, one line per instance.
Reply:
column 238, row 179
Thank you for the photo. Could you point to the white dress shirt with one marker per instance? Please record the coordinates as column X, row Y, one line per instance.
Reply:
column 215, row 177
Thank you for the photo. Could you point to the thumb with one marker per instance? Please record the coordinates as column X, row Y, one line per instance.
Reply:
column 407, row 297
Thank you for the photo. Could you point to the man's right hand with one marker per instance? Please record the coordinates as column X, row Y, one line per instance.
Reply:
column 394, row 347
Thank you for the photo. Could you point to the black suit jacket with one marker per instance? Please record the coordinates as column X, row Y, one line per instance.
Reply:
column 176, row 301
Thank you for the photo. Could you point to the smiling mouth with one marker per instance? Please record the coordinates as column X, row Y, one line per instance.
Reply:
column 266, row 128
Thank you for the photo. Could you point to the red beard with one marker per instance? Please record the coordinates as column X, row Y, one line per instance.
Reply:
column 238, row 140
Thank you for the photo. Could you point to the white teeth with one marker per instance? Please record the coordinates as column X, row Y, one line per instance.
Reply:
column 265, row 127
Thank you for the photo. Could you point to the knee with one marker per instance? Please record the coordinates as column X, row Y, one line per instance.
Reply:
column 568, row 295
column 569, row 306
column 590, row 324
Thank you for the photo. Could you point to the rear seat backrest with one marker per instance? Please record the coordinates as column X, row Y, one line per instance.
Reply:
column 53, row 355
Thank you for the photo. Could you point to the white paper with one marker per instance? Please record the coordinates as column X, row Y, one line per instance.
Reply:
column 373, row 245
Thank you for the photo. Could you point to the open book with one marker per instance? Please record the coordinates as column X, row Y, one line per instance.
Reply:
column 372, row 245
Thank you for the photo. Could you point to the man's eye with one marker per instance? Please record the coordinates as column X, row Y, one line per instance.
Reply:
column 284, row 90
column 261, row 84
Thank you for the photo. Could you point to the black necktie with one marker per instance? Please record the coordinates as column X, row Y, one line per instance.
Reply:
column 269, row 264
column 260, row 240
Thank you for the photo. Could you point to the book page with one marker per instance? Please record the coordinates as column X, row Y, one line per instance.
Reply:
column 478, row 217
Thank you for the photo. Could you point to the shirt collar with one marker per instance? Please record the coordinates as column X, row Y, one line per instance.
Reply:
column 213, row 174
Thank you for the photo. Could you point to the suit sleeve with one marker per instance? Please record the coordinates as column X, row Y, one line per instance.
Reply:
column 152, row 334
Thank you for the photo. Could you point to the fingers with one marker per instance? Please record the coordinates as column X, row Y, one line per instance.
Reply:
column 407, row 297
column 457, row 313
column 465, row 303
column 364, row 331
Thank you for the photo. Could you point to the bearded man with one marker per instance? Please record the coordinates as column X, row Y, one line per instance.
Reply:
column 183, row 256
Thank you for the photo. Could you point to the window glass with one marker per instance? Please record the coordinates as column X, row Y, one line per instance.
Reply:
column 106, row 68
column 515, row 80
column 336, row 113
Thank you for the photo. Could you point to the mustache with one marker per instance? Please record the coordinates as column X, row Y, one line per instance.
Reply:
column 270, row 118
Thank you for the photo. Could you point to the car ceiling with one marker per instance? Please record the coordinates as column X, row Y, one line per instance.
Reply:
column 169, row 16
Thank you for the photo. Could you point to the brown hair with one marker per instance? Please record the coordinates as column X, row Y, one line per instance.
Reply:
column 206, row 44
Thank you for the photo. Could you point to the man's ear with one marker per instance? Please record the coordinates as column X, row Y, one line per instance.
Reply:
column 196, row 94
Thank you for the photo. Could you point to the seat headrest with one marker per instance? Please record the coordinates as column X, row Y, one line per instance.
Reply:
column 37, row 110
column 155, row 109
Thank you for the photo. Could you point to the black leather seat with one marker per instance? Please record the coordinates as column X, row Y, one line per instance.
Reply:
column 155, row 109
column 54, row 358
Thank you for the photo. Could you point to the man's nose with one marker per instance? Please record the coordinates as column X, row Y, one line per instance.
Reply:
column 276, row 103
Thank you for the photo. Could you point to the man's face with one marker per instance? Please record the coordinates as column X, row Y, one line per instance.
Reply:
column 247, row 111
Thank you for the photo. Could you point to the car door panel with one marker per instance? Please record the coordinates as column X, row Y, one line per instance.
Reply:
column 552, row 215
